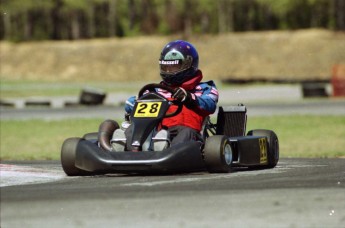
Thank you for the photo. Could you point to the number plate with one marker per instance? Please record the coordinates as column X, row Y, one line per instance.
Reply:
column 147, row 109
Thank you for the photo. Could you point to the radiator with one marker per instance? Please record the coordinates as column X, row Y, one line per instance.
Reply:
column 232, row 120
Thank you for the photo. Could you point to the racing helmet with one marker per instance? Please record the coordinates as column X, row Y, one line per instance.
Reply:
column 178, row 62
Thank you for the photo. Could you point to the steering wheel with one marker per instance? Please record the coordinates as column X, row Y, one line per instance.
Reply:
column 153, row 86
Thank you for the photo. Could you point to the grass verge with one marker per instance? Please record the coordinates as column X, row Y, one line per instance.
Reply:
column 23, row 89
column 299, row 136
column 306, row 136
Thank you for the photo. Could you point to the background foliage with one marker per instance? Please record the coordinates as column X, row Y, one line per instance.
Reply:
column 22, row 20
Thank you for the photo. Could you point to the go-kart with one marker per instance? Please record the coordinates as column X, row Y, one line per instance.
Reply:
column 223, row 146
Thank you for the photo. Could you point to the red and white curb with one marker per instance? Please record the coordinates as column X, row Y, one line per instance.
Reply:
column 20, row 175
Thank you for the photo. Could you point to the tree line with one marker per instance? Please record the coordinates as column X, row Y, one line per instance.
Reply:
column 23, row 20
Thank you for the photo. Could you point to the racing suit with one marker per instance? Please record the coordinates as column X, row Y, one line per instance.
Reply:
column 187, row 124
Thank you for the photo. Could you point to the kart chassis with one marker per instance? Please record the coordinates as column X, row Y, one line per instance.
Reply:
column 225, row 146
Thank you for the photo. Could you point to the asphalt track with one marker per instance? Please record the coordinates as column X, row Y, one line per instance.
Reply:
column 297, row 193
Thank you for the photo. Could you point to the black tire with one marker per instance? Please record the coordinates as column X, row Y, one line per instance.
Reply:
column 91, row 136
column 312, row 89
column 218, row 154
column 90, row 96
column 68, row 154
column 273, row 145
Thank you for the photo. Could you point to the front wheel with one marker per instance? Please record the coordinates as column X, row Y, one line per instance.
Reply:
column 68, row 156
column 218, row 154
column 273, row 145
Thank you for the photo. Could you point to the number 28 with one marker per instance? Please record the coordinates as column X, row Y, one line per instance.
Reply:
column 151, row 108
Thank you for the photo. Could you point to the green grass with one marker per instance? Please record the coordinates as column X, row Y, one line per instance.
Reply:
column 300, row 136
column 20, row 89
column 39, row 139
column 306, row 136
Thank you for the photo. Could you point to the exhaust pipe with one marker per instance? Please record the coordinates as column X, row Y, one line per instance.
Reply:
column 105, row 133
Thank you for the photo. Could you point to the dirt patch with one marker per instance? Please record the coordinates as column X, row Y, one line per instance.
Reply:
column 292, row 55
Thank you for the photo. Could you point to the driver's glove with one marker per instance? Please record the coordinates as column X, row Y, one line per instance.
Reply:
column 185, row 97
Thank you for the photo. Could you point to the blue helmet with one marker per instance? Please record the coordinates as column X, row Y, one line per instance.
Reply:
column 178, row 62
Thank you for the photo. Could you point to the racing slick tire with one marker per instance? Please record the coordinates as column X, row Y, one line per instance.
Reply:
column 91, row 136
column 273, row 145
column 68, row 155
column 218, row 154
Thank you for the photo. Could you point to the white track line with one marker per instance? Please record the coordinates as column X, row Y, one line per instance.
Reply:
column 21, row 175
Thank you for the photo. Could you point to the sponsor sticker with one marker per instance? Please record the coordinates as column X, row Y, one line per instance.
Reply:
column 169, row 62
column 263, row 150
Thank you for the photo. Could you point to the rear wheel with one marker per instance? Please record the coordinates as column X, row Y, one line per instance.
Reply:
column 218, row 154
column 273, row 145
column 68, row 155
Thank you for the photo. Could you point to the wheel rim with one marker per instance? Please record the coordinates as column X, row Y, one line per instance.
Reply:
column 228, row 154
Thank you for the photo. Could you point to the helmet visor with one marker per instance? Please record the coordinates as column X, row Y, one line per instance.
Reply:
column 174, row 66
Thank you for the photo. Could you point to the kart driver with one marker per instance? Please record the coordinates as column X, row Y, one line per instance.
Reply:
column 179, row 70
